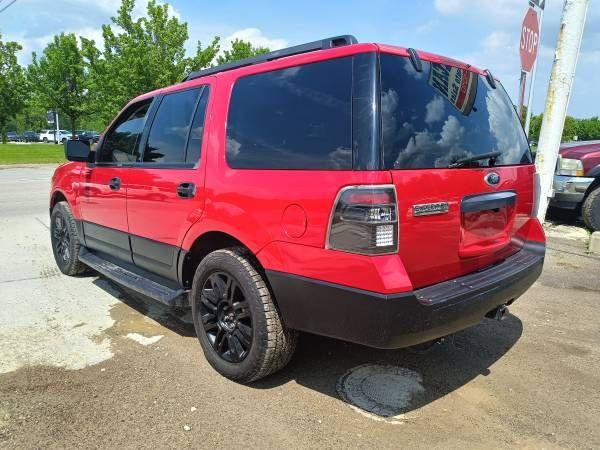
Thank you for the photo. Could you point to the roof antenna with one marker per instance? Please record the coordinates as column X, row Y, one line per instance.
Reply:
column 490, row 78
column 415, row 60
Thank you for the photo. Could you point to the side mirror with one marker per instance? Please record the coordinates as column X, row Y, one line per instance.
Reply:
column 76, row 150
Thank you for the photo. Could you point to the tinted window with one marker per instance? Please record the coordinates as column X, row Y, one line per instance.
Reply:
column 167, row 141
column 121, row 144
column 195, row 140
column 444, row 114
column 296, row 118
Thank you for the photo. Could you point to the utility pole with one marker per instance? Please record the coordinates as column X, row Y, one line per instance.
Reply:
column 557, row 98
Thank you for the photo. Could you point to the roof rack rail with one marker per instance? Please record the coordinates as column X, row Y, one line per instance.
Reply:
column 336, row 41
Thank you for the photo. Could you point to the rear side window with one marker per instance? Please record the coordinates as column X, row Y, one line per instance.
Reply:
column 295, row 118
column 168, row 138
column 194, row 144
column 436, row 117
column 121, row 143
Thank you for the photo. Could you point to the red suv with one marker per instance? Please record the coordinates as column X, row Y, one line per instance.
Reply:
column 370, row 193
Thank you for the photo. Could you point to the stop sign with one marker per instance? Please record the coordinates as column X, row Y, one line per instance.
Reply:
column 530, row 37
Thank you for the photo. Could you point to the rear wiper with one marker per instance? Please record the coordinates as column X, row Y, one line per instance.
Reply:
column 460, row 162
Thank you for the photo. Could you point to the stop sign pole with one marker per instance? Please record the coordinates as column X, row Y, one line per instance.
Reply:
column 531, row 91
column 528, row 49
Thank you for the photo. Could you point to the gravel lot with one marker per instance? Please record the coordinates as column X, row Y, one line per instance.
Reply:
column 84, row 364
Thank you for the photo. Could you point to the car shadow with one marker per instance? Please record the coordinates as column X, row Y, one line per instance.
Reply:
column 559, row 216
column 319, row 362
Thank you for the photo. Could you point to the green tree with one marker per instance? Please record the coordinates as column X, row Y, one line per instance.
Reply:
column 588, row 129
column 139, row 56
column 240, row 50
column 204, row 57
column 534, row 127
column 59, row 80
column 569, row 129
column 12, row 85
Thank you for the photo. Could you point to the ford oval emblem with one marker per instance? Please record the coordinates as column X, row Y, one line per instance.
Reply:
column 492, row 179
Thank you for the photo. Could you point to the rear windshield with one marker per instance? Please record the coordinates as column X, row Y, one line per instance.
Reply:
column 443, row 115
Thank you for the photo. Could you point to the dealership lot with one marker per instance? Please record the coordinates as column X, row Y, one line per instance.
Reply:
column 83, row 363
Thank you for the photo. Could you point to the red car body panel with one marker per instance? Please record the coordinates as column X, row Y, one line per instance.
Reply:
column 451, row 246
column 282, row 216
column 588, row 154
column 98, row 203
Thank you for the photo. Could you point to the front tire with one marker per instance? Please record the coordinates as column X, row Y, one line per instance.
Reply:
column 65, row 241
column 236, row 320
column 590, row 210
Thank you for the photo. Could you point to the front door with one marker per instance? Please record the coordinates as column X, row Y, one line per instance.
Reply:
column 103, row 205
column 165, row 192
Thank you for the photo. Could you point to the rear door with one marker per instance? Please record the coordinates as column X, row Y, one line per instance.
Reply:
column 460, row 164
column 165, row 194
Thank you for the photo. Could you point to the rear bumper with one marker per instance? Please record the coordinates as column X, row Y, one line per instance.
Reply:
column 569, row 192
column 405, row 319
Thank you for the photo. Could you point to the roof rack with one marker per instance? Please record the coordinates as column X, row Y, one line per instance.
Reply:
column 336, row 41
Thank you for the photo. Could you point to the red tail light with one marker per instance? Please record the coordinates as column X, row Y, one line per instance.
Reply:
column 364, row 220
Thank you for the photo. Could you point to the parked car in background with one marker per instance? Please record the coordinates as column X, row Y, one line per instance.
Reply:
column 48, row 136
column 89, row 137
column 13, row 136
column 30, row 136
column 577, row 181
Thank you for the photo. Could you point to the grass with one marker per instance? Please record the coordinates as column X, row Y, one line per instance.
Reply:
column 31, row 153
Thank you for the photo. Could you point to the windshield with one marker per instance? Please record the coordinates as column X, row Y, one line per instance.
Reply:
column 444, row 115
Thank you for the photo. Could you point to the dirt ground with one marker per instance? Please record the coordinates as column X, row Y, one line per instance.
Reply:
column 85, row 364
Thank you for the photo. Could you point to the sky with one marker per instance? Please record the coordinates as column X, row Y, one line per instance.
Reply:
column 484, row 33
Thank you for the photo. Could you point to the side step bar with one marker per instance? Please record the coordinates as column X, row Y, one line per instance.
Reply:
column 133, row 281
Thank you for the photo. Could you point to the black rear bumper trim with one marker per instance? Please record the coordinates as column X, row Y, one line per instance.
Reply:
column 407, row 318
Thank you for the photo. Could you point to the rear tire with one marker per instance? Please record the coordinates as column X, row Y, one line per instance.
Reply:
column 45, row 140
column 590, row 210
column 65, row 240
column 236, row 320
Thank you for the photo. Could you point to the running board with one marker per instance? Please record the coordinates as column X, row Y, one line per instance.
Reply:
column 134, row 281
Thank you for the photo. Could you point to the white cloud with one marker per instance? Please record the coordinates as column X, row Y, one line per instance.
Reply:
column 434, row 110
column 493, row 11
column 256, row 37
column 449, row 7
column 452, row 132
column 81, row 17
column 497, row 39
column 94, row 34
column 428, row 26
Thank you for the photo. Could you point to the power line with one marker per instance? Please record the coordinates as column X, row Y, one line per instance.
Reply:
column 6, row 7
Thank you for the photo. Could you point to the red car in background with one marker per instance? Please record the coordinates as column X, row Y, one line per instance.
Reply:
column 577, row 181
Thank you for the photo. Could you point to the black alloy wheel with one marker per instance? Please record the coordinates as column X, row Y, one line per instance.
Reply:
column 236, row 320
column 65, row 240
column 225, row 317
column 61, row 239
